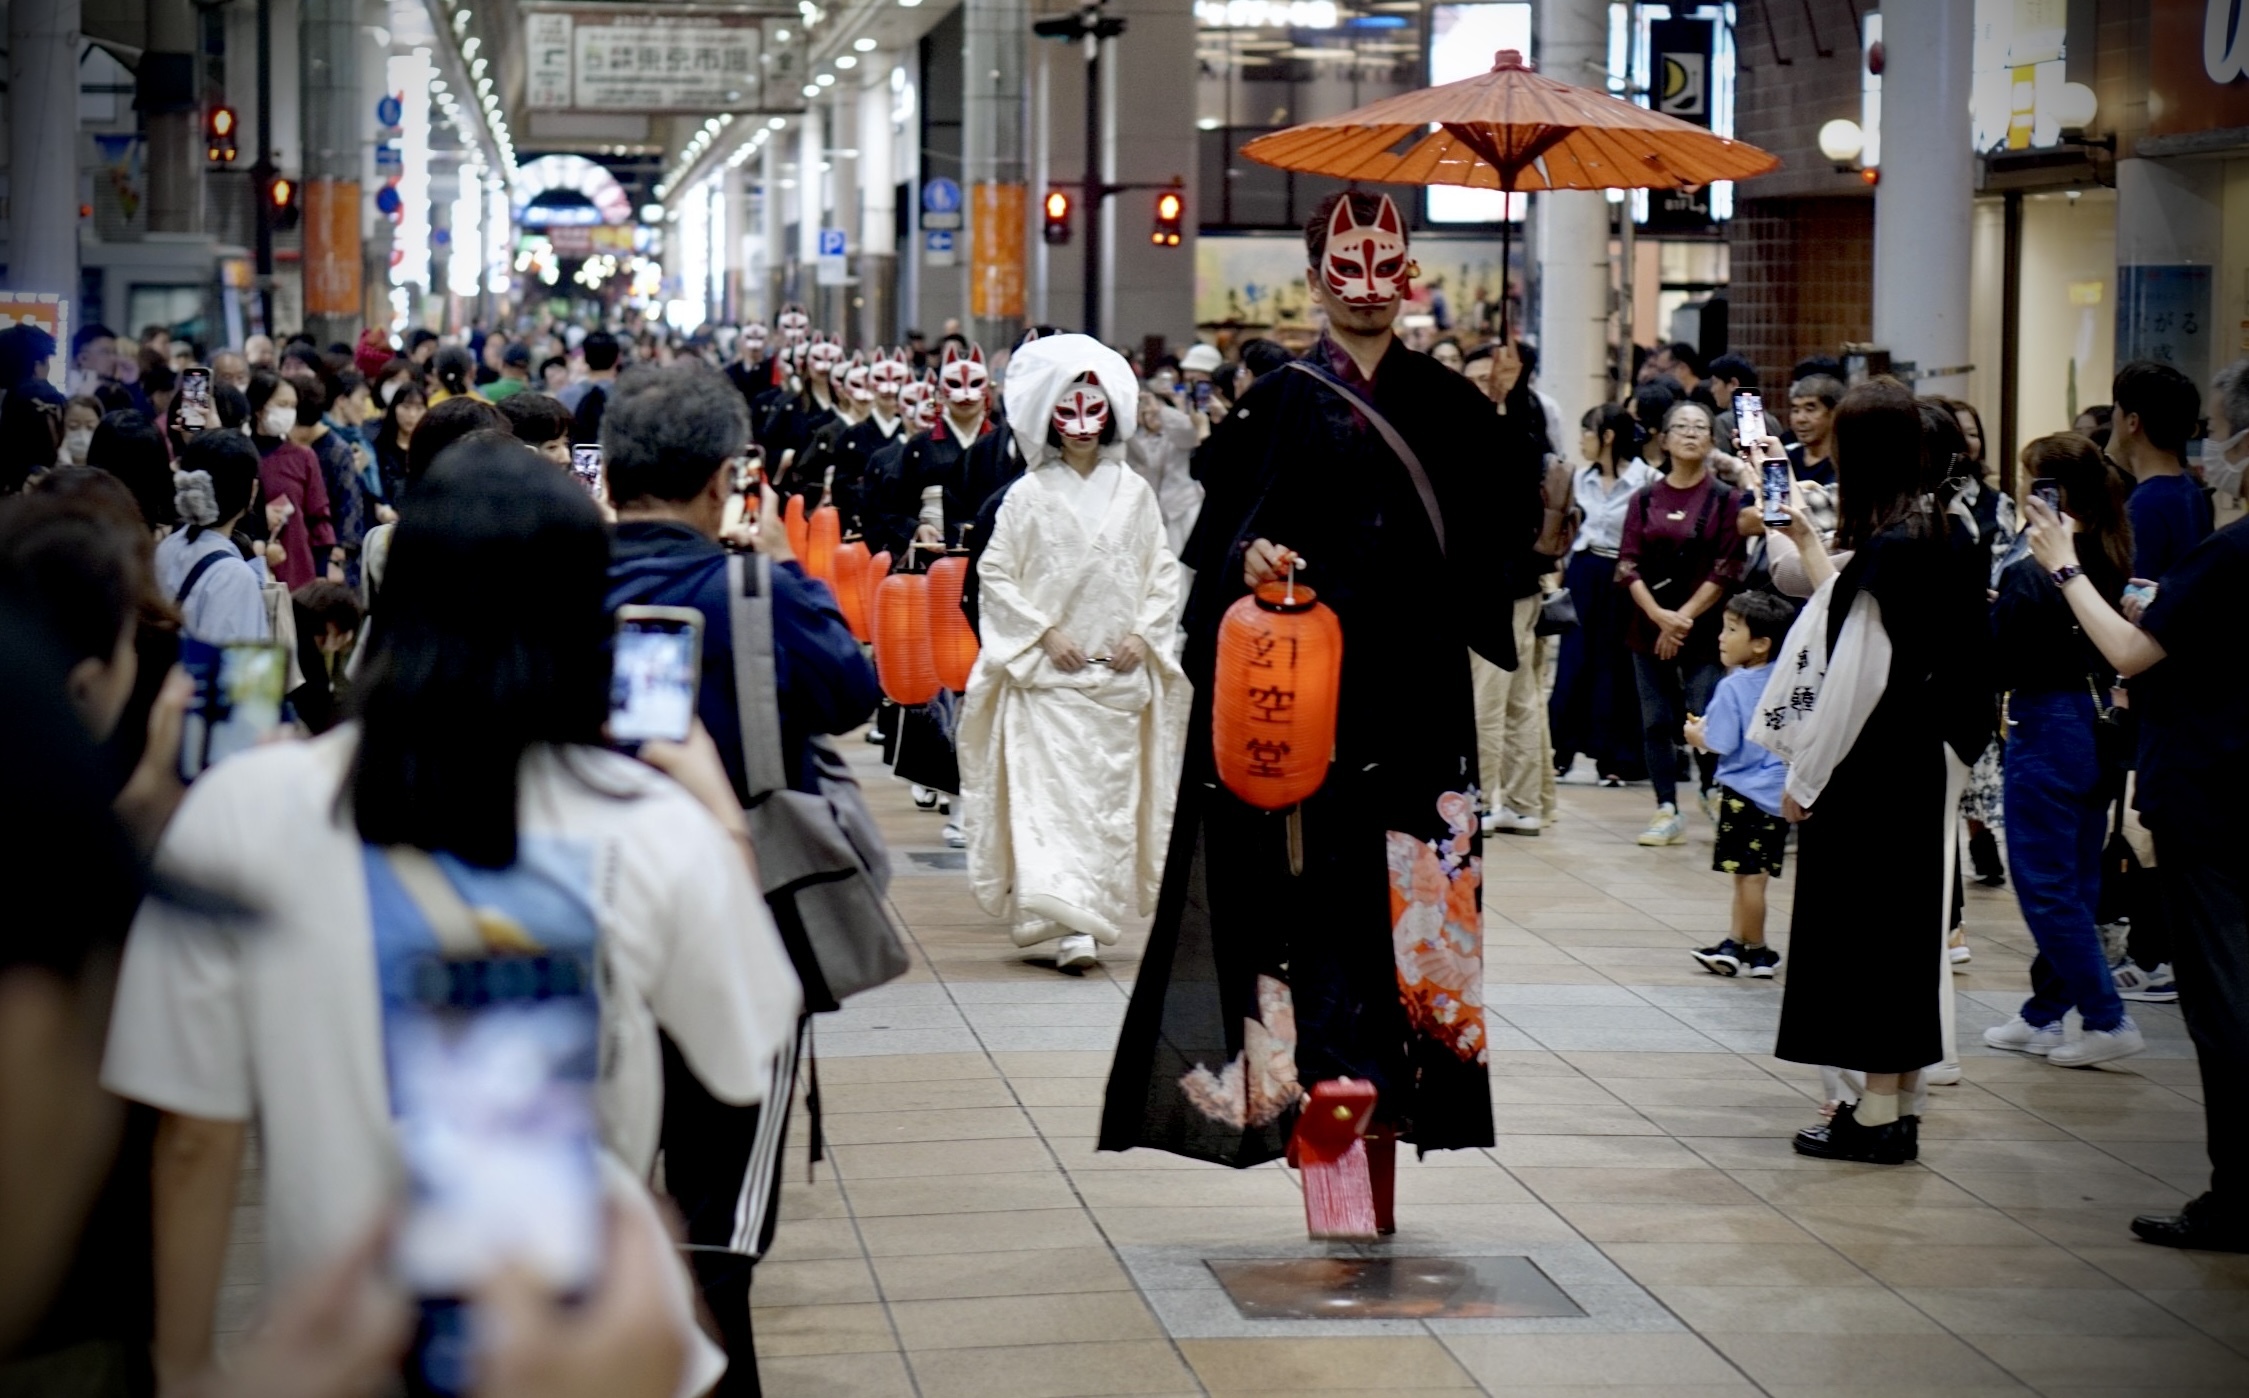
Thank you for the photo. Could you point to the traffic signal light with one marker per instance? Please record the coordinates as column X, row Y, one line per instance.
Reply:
column 281, row 202
column 218, row 135
column 1169, row 209
column 1057, row 217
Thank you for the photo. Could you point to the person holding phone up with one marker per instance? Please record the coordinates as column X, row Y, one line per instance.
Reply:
column 2184, row 661
column 2059, row 782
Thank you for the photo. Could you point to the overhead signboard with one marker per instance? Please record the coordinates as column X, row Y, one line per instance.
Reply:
column 641, row 59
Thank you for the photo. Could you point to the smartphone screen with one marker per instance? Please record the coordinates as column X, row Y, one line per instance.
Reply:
column 585, row 464
column 237, row 703
column 2046, row 489
column 492, row 1069
column 653, row 679
column 195, row 399
column 1202, row 394
column 1749, row 419
column 1775, row 492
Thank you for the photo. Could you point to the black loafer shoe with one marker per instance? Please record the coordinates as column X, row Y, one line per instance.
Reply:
column 2192, row 1227
column 1843, row 1138
column 1911, row 1127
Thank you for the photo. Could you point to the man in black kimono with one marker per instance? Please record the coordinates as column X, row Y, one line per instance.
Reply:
column 1259, row 983
column 796, row 418
column 900, row 506
column 871, row 389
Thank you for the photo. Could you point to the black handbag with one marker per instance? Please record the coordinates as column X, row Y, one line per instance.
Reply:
column 1557, row 613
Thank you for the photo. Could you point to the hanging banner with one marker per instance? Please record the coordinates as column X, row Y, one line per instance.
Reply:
column 996, row 251
column 643, row 59
column 1679, row 68
column 331, row 248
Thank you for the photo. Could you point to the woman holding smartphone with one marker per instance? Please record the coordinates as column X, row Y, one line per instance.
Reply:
column 479, row 761
column 2058, row 787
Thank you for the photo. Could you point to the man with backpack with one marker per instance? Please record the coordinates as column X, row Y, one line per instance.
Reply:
column 671, row 439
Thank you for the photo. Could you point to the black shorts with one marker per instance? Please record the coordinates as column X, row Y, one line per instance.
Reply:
column 1749, row 841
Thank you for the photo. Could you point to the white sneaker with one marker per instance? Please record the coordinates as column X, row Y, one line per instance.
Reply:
column 2156, row 987
column 1075, row 952
column 1941, row 1075
column 1959, row 955
column 1506, row 822
column 2022, row 1036
column 2099, row 1046
column 1666, row 829
column 954, row 838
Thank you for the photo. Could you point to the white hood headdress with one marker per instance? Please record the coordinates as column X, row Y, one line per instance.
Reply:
column 1040, row 371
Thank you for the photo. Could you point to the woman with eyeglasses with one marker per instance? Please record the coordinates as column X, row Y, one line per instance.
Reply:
column 1679, row 558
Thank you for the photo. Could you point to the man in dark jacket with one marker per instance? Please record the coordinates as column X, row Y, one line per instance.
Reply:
column 670, row 440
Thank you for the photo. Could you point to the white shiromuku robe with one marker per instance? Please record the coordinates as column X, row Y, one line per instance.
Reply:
column 1073, row 776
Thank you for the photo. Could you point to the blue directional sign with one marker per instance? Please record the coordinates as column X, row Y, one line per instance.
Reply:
column 831, row 242
column 389, row 111
column 938, row 240
column 941, row 196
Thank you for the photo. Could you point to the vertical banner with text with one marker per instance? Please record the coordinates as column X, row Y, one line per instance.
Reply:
column 332, row 252
column 996, row 251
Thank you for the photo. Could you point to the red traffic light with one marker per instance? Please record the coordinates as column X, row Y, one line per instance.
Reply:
column 221, row 124
column 1170, row 207
column 1057, row 208
column 1057, row 204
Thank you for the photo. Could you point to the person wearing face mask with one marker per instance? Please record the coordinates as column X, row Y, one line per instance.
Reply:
column 289, row 474
column 1080, row 610
column 1364, row 467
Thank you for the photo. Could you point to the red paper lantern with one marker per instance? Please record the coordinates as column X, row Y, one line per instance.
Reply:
column 952, row 642
column 851, row 587
column 1273, row 696
column 878, row 568
column 902, row 659
column 823, row 536
column 792, row 518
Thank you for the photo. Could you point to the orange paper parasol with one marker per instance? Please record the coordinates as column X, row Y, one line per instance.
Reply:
column 1513, row 130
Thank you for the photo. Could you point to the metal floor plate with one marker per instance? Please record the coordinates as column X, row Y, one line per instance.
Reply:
column 1391, row 1288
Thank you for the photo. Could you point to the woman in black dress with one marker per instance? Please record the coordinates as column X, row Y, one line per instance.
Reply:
column 1877, row 785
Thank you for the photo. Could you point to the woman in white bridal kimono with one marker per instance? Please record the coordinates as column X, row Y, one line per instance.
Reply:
column 1071, row 732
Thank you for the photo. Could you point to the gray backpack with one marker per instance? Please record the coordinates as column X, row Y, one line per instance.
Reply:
column 824, row 865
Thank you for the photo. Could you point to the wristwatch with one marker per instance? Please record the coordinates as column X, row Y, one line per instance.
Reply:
column 2063, row 574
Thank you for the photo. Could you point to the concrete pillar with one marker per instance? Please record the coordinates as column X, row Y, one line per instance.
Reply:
column 770, row 224
column 878, row 206
column 1148, row 81
column 328, row 57
column 43, row 148
column 174, row 120
column 734, row 219
column 994, row 137
column 1572, row 237
column 842, row 185
column 812, row 153
column 1923, row 206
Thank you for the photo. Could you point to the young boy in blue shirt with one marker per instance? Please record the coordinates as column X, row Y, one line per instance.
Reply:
column 1752, row 836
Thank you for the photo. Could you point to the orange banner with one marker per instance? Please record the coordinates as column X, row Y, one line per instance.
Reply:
column 996, row 251
column 331, row 258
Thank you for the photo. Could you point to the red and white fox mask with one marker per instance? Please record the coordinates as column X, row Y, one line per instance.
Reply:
column 888, row 374
column 856, row 380
column 796, row 327
column 1365, row 264
column 1082, row 412
column 917, row 402
column 963, row 376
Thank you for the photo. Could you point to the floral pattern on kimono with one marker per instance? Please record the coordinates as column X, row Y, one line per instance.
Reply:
column 1260, row 1083
column 1436, row 929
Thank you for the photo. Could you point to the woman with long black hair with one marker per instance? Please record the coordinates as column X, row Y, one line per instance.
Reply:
column 1883, row 698
column 475, row 793
column 2058, row 787
column 1594, row 708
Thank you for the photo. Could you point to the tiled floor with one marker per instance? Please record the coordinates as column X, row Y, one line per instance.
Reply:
column 966, row 1239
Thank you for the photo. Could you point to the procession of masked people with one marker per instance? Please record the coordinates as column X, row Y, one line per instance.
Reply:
column 464, row 749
